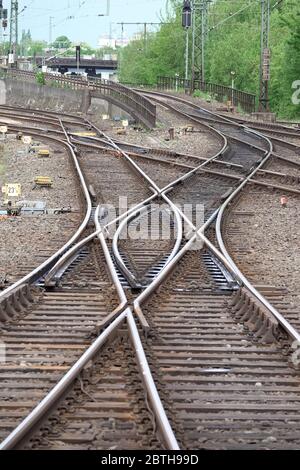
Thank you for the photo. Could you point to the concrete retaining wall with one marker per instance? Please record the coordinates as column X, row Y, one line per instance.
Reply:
column 32, row 95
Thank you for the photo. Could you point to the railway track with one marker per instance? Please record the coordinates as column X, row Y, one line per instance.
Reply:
column 219, row 372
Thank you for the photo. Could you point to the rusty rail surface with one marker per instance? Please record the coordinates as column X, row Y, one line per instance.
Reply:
column 131, row 101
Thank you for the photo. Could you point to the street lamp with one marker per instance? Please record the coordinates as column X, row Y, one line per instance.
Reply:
column 186, row 23
column 232, row 73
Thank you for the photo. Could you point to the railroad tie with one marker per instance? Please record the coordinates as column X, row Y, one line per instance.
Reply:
column 247, row 309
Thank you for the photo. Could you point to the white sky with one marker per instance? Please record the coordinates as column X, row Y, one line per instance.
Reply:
column 78, row 19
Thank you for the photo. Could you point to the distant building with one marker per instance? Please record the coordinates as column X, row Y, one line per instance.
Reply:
column 106, row 41
column 123, row 42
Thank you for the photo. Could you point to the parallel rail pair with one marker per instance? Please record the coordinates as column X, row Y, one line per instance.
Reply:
column 125, row 312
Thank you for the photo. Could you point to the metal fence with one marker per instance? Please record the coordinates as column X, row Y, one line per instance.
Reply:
column 141, row 107
column 246, row 101
column 130, row 98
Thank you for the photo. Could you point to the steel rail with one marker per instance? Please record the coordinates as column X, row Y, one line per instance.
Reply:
column 63, row 259
column 127, row 158
column 40, row 111
column 163, row 275
column 118, row 258
column 30, row 130
column 51, row 399
column 291, row 331
column 39, row 413
column 30, row 277
column 187, row 175
column 36, row 117
column 161, row 192
column 133, row 281
column 153, row 395
column 224, row 253
column 136, row 215
column 145, row 371
column 64, row 251
column 158, row 150
column 108, row 259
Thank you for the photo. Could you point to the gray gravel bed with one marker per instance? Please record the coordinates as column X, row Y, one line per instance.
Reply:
column 265, row 241
column 27, row 241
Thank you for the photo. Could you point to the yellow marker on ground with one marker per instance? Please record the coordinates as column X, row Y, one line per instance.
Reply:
column 43, row 181
column 43, row 153
column 85, row 134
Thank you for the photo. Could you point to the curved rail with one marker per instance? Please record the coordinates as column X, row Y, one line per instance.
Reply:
column 146, row 374
column 122, row 312
column 225, row 257
column 121, row 265
column 283, row 322
column 41, row 410
column 41, row 269
column 126, row 98
column 125, row 312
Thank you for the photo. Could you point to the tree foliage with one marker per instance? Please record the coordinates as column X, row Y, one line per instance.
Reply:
column 62, row 42
column 233, row 44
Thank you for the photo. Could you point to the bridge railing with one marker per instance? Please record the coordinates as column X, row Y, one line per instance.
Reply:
column 142, row 108
column 246, row 101
column 141, row 105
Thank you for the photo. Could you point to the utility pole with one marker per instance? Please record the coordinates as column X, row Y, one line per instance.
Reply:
column 3, row 26
column 186, row 24
column 199, row 31
column 13, row 37
column 1, row 22
column 107, row 8
column 145, row 25
column 50, row 29
column 264, row 57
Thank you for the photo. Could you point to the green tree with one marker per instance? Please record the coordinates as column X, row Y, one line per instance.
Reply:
column 233, row 45
column 62, row 42
column 40, row 78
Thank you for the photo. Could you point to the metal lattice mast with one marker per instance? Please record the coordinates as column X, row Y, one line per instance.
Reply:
column 265, row 57
column 3, row 24
column 1, row 17
column 13, row 37
column 199, row 28
column 196, row 46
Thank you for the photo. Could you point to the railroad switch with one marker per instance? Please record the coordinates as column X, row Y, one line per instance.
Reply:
column 43, row 181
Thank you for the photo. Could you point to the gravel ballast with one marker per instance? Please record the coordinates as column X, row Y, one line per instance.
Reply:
column 28, row 240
